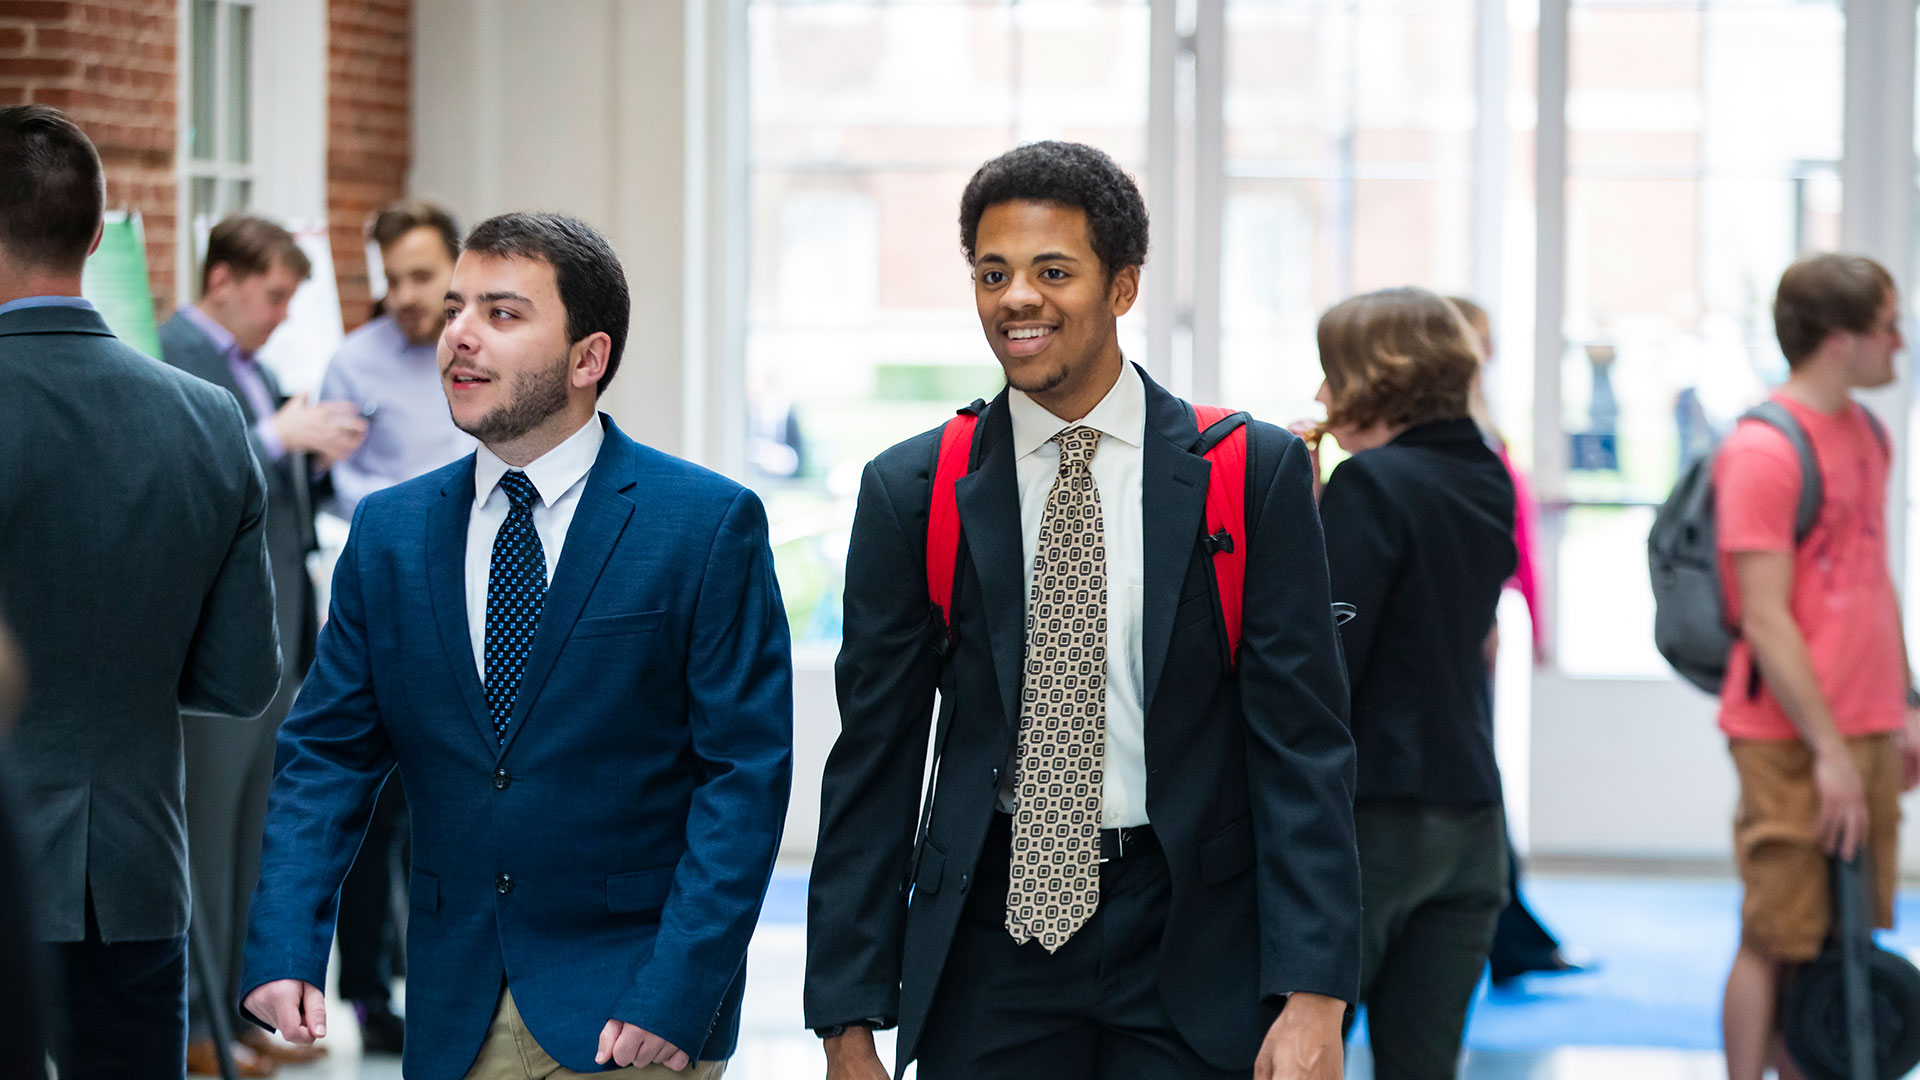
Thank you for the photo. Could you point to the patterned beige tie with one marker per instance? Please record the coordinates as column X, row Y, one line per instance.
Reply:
column 1053, row 880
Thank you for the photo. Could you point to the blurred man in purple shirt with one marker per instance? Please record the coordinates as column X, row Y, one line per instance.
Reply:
column 388, row 370
column 251, row 270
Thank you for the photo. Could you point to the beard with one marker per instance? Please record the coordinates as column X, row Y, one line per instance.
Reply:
column 1039, row 382
column 537, row 395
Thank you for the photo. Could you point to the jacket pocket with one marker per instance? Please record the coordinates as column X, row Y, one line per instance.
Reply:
column 423, row 891
column 933, row 867
column 1227, row 852
column 637, row 622
column 640, row 891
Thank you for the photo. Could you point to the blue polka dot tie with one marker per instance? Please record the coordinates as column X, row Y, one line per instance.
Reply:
column 516, row 591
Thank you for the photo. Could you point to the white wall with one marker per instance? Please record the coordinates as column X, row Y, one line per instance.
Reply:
column 578, row 108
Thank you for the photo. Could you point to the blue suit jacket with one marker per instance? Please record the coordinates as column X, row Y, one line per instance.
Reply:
column 610, row 860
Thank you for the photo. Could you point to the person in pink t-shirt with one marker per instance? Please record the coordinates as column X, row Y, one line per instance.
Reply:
column 1816, row 704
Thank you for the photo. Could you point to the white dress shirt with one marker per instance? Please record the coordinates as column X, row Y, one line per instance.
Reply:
column 1121, row 419
column 559, row 475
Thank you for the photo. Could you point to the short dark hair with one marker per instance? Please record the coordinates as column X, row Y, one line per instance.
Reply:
column 1822, row 293
column 52, row 188
column 593, row 287
column 400, row 218
column 250, row 245
column 1071, row 174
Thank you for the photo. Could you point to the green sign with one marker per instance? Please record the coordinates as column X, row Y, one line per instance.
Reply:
column 115, row 282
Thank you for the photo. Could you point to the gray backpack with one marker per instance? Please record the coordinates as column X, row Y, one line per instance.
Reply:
column 1690, row 624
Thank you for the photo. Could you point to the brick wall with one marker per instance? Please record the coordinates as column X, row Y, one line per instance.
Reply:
column 369, row 49
column 111, row 67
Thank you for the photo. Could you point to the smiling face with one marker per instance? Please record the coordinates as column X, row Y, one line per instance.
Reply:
column 513, row 379
column 1049, row 309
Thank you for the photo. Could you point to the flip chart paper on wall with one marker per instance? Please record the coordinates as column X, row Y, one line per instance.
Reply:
column 115, row 282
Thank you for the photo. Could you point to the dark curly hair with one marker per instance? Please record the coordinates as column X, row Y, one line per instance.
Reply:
column 1072, row 174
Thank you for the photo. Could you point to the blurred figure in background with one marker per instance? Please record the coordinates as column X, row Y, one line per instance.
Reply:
column 251, row 270
column 387, row 370
column 1419, row 528
column 133, row 560
column 1522, row 945
column 1818, row 704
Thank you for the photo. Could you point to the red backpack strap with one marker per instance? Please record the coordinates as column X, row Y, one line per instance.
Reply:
column 1224, row 442
column 943, row 515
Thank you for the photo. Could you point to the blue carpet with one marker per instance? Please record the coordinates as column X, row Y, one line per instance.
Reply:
column 1663, row 948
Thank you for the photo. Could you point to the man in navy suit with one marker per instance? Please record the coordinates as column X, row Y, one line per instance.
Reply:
column 597, row 771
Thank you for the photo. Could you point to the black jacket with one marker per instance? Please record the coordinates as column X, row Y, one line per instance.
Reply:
column 1249, row 776
column 1420, row 542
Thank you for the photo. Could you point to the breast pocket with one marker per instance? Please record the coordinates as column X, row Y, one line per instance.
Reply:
column 638, row 622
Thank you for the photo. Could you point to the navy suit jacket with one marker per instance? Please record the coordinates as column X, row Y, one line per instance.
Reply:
column 609, row 861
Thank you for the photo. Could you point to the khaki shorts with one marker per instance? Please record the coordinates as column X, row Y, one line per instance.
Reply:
column 1786, row 913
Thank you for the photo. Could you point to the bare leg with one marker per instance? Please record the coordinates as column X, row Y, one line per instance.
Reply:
column 1747, row 1028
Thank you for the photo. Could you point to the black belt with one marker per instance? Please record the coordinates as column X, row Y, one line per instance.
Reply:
column 1126, row 843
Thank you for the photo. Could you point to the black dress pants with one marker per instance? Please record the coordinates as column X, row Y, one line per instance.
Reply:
column 126, row 1007
column 1090, row 1011
column 368, row 931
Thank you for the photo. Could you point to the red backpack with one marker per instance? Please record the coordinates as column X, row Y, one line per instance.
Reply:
column 1221, row 436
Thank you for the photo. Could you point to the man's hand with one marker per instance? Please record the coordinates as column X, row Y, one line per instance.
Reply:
column 296, row 1009
column 1305, row 1042
column 1910, row 752
column 1842, row 823
column 329, row 430
column 627, row 1044
column 851, row 1056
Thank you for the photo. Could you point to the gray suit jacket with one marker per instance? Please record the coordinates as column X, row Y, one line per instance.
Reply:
column 289, row 499
column 133, row 569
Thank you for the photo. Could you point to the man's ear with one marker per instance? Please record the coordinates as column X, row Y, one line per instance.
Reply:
column 1123, row 290
column 99, row 231
column 588, row 360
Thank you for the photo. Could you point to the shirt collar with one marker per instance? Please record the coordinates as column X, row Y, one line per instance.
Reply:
column 44, row 301
column 221, row 337
column 553, row 473
column 1122, row 415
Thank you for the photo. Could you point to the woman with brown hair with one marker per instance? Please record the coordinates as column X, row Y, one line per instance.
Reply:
column 1419, row 531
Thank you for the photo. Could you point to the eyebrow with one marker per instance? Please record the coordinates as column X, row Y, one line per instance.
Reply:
column 489, row 298
column 1043, row 257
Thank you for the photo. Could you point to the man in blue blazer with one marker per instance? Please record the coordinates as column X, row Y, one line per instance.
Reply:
column 597, row 771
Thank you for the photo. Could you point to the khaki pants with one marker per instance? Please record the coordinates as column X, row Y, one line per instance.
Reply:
column 511, row 1054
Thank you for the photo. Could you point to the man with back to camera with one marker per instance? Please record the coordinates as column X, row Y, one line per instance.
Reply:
column 389, row 372
column 248, row 277
column 597, row 771
column 1204, row 922
column 1818, row 704
column 133, row 565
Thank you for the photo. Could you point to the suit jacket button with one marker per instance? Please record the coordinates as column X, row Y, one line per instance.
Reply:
column 501, row 779
column 996, row 778
column 964, row 878
column 503, row 884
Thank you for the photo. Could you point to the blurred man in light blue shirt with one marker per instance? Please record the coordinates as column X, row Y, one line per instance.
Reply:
column 387, row 367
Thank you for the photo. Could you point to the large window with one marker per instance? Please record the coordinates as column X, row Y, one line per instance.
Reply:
column 217, row 170
column 1703, row 156
column 1301, row 151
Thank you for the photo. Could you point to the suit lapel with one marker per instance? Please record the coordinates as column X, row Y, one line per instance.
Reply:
column 1174, row 493
column 598, row 522
column 989, row 501
column 447, row 585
